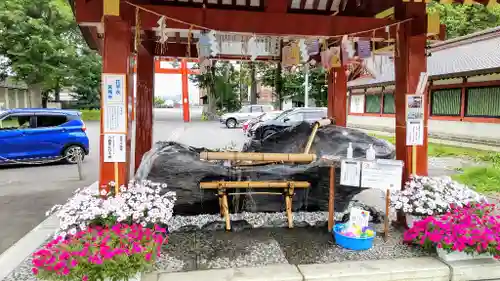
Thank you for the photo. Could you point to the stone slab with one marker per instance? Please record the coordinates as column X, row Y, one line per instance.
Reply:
column 286, row 272
column 477, row 269
column 429, row 269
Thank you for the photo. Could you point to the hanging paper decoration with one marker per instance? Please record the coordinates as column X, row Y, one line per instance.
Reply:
column 326, row 59
column 347, row 50
column 364, row 51
column 252, row 48
column 162, row 31
column 214, row 45
column 303, row 50
column 204, row 46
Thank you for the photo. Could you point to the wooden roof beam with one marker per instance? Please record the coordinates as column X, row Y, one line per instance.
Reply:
column 268, row 23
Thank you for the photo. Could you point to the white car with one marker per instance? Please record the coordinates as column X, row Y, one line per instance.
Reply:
column 233, row 119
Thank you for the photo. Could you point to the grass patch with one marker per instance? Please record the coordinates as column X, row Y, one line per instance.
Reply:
column 90, row 115
column 444, row 150
column 485, row 179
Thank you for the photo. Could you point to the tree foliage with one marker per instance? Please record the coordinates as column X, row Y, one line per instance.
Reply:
column 222, row 83
column 465, row 19
column 43, row 48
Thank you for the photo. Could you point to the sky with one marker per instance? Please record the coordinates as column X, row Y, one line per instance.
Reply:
column 169, row 86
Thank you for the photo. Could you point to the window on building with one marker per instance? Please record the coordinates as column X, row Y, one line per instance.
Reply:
column 389, row 106
column 44, row 121
column 483, row 102
column 15, row 122
column 372, row 104
column 446, row 102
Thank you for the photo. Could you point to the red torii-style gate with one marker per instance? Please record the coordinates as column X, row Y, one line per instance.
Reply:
column 115, row 19
column 184, row 71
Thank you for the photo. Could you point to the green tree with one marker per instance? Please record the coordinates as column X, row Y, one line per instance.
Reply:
column 158, row 101
column 465, row 19
column 43, row 48
column 222, row 83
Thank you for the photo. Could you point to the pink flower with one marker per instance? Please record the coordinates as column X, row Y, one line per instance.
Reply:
column 34, row 270
column 85, row 278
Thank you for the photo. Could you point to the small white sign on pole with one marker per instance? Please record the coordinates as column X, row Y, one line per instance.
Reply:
column 350, row 172
column 382, row 174
column 359, row 217
column 414, row 132
column 114, row 101
column 114, row 148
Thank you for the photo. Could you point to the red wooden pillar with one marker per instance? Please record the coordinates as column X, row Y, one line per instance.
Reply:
column 185, row 91
column 116, row 60
column 410, row 61
column 144, row 105
column 337, row 96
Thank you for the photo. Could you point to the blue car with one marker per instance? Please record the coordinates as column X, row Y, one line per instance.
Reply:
column 42, row 135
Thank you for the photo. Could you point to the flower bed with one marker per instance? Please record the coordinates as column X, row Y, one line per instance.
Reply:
column 471, row 229
column 114, row 253
column 138, row 203
column 107, row 236
column 427, row 196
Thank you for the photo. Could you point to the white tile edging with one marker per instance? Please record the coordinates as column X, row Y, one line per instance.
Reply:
column 24, row 247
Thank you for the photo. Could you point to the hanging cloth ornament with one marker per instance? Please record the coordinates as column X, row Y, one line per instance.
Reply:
column 335, row 57
column 364, row 51
column 295, row 53
column 286, row 56
column 214, row 44
column 326, row 59
column 312, row 47
column 204, row 46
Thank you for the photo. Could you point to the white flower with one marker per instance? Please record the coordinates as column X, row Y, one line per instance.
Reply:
column 104, row 192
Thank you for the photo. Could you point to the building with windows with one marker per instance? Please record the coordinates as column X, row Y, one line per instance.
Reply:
column 464, row 90
column 17, row 95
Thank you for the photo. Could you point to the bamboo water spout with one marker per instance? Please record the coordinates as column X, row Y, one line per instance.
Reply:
column 252, row 156
column 317, row 124
column 253, row 184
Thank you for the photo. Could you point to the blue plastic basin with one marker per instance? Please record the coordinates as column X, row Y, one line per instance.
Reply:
column 352, row 243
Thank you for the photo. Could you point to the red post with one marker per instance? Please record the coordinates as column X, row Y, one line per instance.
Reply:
column 337, row 96
column 410, row 61
column 185, row 93
column 144, row 107
column 116, row 55
column 340, row 100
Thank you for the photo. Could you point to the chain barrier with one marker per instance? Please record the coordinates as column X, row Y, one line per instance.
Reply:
column 79, row 161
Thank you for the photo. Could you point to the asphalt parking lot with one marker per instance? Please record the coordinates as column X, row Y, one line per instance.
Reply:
column 27, row 192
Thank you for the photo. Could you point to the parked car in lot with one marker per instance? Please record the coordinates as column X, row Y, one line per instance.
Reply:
column 247, row 112
column 253, row 124
column 38, row 135
column 288, row 118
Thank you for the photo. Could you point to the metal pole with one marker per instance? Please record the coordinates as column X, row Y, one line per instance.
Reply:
column 306, row 95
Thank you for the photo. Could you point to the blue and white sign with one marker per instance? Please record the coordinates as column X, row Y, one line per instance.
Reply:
column 114, row 104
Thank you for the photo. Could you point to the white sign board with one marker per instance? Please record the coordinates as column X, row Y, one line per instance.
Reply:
column 414, row 132
column 414, row 107
column 350, row 173
column 382, row 174
column 114, row 148
column 114, row 100
column 359, row 217
column 357, row 104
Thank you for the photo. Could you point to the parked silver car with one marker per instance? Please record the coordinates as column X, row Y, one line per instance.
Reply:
column 233, row 119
